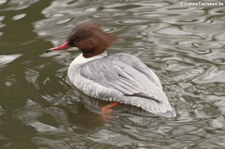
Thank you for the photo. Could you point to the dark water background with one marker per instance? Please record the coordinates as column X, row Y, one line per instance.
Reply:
column 184, row 45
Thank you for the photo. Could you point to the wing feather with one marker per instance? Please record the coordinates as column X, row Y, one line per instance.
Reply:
column 124, row 78
column 133, row 61
column 120, row 76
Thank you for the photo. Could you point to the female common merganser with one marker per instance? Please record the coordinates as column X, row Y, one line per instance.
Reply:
column 118, row 78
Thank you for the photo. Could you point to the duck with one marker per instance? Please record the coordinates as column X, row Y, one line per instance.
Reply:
column 118, row 78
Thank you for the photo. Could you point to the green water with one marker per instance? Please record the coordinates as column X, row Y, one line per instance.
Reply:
column 184, row 45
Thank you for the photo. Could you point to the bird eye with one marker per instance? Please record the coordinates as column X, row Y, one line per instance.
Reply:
column 76, row 39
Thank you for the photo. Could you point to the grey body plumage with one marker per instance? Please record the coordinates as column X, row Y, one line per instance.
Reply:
column 125, row 79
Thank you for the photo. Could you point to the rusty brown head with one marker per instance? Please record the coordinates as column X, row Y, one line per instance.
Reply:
column 89, row 38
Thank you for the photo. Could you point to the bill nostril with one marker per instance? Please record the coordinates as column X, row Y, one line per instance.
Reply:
column 47, row 51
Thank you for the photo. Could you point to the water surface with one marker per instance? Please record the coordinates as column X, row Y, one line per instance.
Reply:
column 184, row 45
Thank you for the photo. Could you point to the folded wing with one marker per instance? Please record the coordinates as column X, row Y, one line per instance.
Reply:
column 130, row 77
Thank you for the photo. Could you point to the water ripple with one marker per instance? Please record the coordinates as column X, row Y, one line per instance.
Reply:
column 19, row 16
column 6, row 59
column 18, row 5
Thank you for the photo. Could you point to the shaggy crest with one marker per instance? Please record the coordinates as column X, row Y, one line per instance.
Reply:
column 90, row 39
